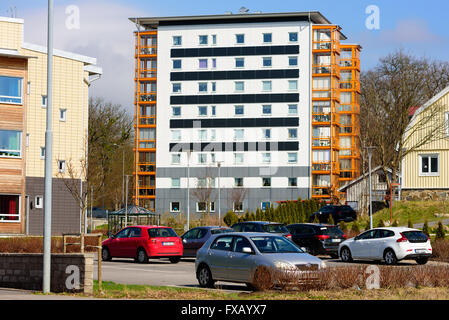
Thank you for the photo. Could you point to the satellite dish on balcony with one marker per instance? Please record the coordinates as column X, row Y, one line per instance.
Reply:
column 243, row 10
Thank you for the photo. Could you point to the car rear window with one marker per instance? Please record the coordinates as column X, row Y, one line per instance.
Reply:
column 223, row 230
column 275, row 228
column 331, row 231
column 415, row 236
column 161, row 233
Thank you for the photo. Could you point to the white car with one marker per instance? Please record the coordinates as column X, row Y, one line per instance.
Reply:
column 390, row 244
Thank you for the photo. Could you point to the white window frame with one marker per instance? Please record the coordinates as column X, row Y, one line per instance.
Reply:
column 62, row 114
column 19, row 214
column 177, row 44
column 173, row 157
column 61, row 166
column 179, row 206
column 172, row 111
column 20, row 151
column 41, row 202
column 173, row 183
column 44, row 101
column 429, row 156
column 42, row 153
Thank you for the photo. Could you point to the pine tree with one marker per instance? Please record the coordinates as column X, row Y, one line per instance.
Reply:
column 425, row 228
column 331, row 220
column 409, row 222
column 355, row 227
column 440, row 233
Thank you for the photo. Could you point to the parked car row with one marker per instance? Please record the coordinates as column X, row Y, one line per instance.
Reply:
column 248, row 249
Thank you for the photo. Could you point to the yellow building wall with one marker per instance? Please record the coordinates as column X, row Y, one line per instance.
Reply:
column 411, row 163
column 70, row 92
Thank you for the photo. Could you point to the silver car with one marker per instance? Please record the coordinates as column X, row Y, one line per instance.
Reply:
column 243, row 256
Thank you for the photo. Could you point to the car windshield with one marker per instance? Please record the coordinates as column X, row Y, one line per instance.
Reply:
column 275, row 228
column 222, row 230
column 272, row 244
column 331, row 231
column 161, row 232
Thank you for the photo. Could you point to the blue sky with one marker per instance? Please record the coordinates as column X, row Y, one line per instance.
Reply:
column 418, row 27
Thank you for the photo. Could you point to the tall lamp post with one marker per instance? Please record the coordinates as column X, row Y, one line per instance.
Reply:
column 370, row 154
column 219, row 193
column 187, row 227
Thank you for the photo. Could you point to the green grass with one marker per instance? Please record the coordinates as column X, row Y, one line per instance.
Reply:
column 418, row 211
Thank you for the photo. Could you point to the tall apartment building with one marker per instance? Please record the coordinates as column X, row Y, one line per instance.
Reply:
column 243, row 110
column 23, row 97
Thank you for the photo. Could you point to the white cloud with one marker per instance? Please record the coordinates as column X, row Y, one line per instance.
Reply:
column 411, row 31
column 104, row 33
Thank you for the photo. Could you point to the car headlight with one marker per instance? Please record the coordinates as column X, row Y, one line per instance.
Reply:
column 283, row 265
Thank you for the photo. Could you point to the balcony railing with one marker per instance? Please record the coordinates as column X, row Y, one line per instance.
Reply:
column 145, row 168
column 147, row 73
column 321, row 117
column 147, row 97
column 147, row 120
column 324, row 166
column 148, row 50
column 326, row 69
column 147, row 191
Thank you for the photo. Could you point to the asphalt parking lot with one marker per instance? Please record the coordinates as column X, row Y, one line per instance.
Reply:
column 160, row 272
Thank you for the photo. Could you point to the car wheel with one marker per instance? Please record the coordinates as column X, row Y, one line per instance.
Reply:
column 174, row 259
column 105, row 254
column 205, row 277
column 262, row 279
column 345, row 255
column 390, row 257
column 422, row 260
column 142, row 256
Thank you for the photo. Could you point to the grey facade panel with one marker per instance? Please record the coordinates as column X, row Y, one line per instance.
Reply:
column 252, row 201
column 65, row 209
column 293, row 171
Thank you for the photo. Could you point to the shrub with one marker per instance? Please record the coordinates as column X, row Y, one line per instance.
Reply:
column 395, row 223
column 331, row 220
column 380, row 224
column 440, row 233
column 230, row 218
column 355, row 227
column 409, row 222
column 343, row 226
column 425, row 228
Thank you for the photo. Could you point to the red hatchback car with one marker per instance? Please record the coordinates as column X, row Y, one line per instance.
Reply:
column 142, row 243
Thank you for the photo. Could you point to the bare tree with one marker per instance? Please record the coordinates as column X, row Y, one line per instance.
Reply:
column 236, row 196
column 399, row 82
column 204, row 192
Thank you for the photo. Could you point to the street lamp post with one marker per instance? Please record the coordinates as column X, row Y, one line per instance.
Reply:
column 187, row 227
column 219, row 193
column 370, row 154
column 126, row 202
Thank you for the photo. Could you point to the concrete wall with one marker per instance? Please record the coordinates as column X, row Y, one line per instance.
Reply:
column 25, row 271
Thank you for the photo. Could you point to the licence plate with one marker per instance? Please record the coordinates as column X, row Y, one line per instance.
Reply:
column 168, row 243
column 336, row 240
column 420, row 251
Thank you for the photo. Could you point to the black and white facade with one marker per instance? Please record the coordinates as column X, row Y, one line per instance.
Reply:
column 233, row 111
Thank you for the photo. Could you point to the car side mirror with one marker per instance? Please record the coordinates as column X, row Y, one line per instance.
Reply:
column 303, row 249
column 247, row 250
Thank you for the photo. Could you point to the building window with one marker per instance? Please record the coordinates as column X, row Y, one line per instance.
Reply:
column 293, row 109
column 239, row 134
column 9, row 208
column 202, row 135
column 292, row 84
column 175, row 182
column 176, row 135
column 202, row 111
column 213, row 135
column 239, row 110
column 61, row 166
column 203, row 39
column 266, row 85
column 44, row 101
column 176, row 158
column 429, row 164
column 27, row 140
column 202, row 158
column 202, row 63
column 10, row 90
column 238, row 206
column 266, row 133
column 177, row 64
column 292, row 182
column 292, row 133
column 176, row 87
column 39, row 202
column 42, row 152
column 202, row 86
column 202, row 207
column 266, row 109
column 214, row 39
column 293, row 36
column 293, row 61
column 238, row 158
column 174, row 206
column 10, row 144
column 176, row 111
column 266, row 62
column 214, row 63
column 239, row 86
column 213, row 111
column 238, row 182
column 62, row 114
column 266, row 157
column 265, row 205
column 267, row 38
column 240, row 38
column 266, row 182
column 292, row 157
column 239, row 62
column 177, row 40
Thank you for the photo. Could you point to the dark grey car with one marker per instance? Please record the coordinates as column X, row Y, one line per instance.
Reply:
column 237, row 257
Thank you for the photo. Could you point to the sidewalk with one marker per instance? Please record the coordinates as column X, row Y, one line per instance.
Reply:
column 18, row 294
